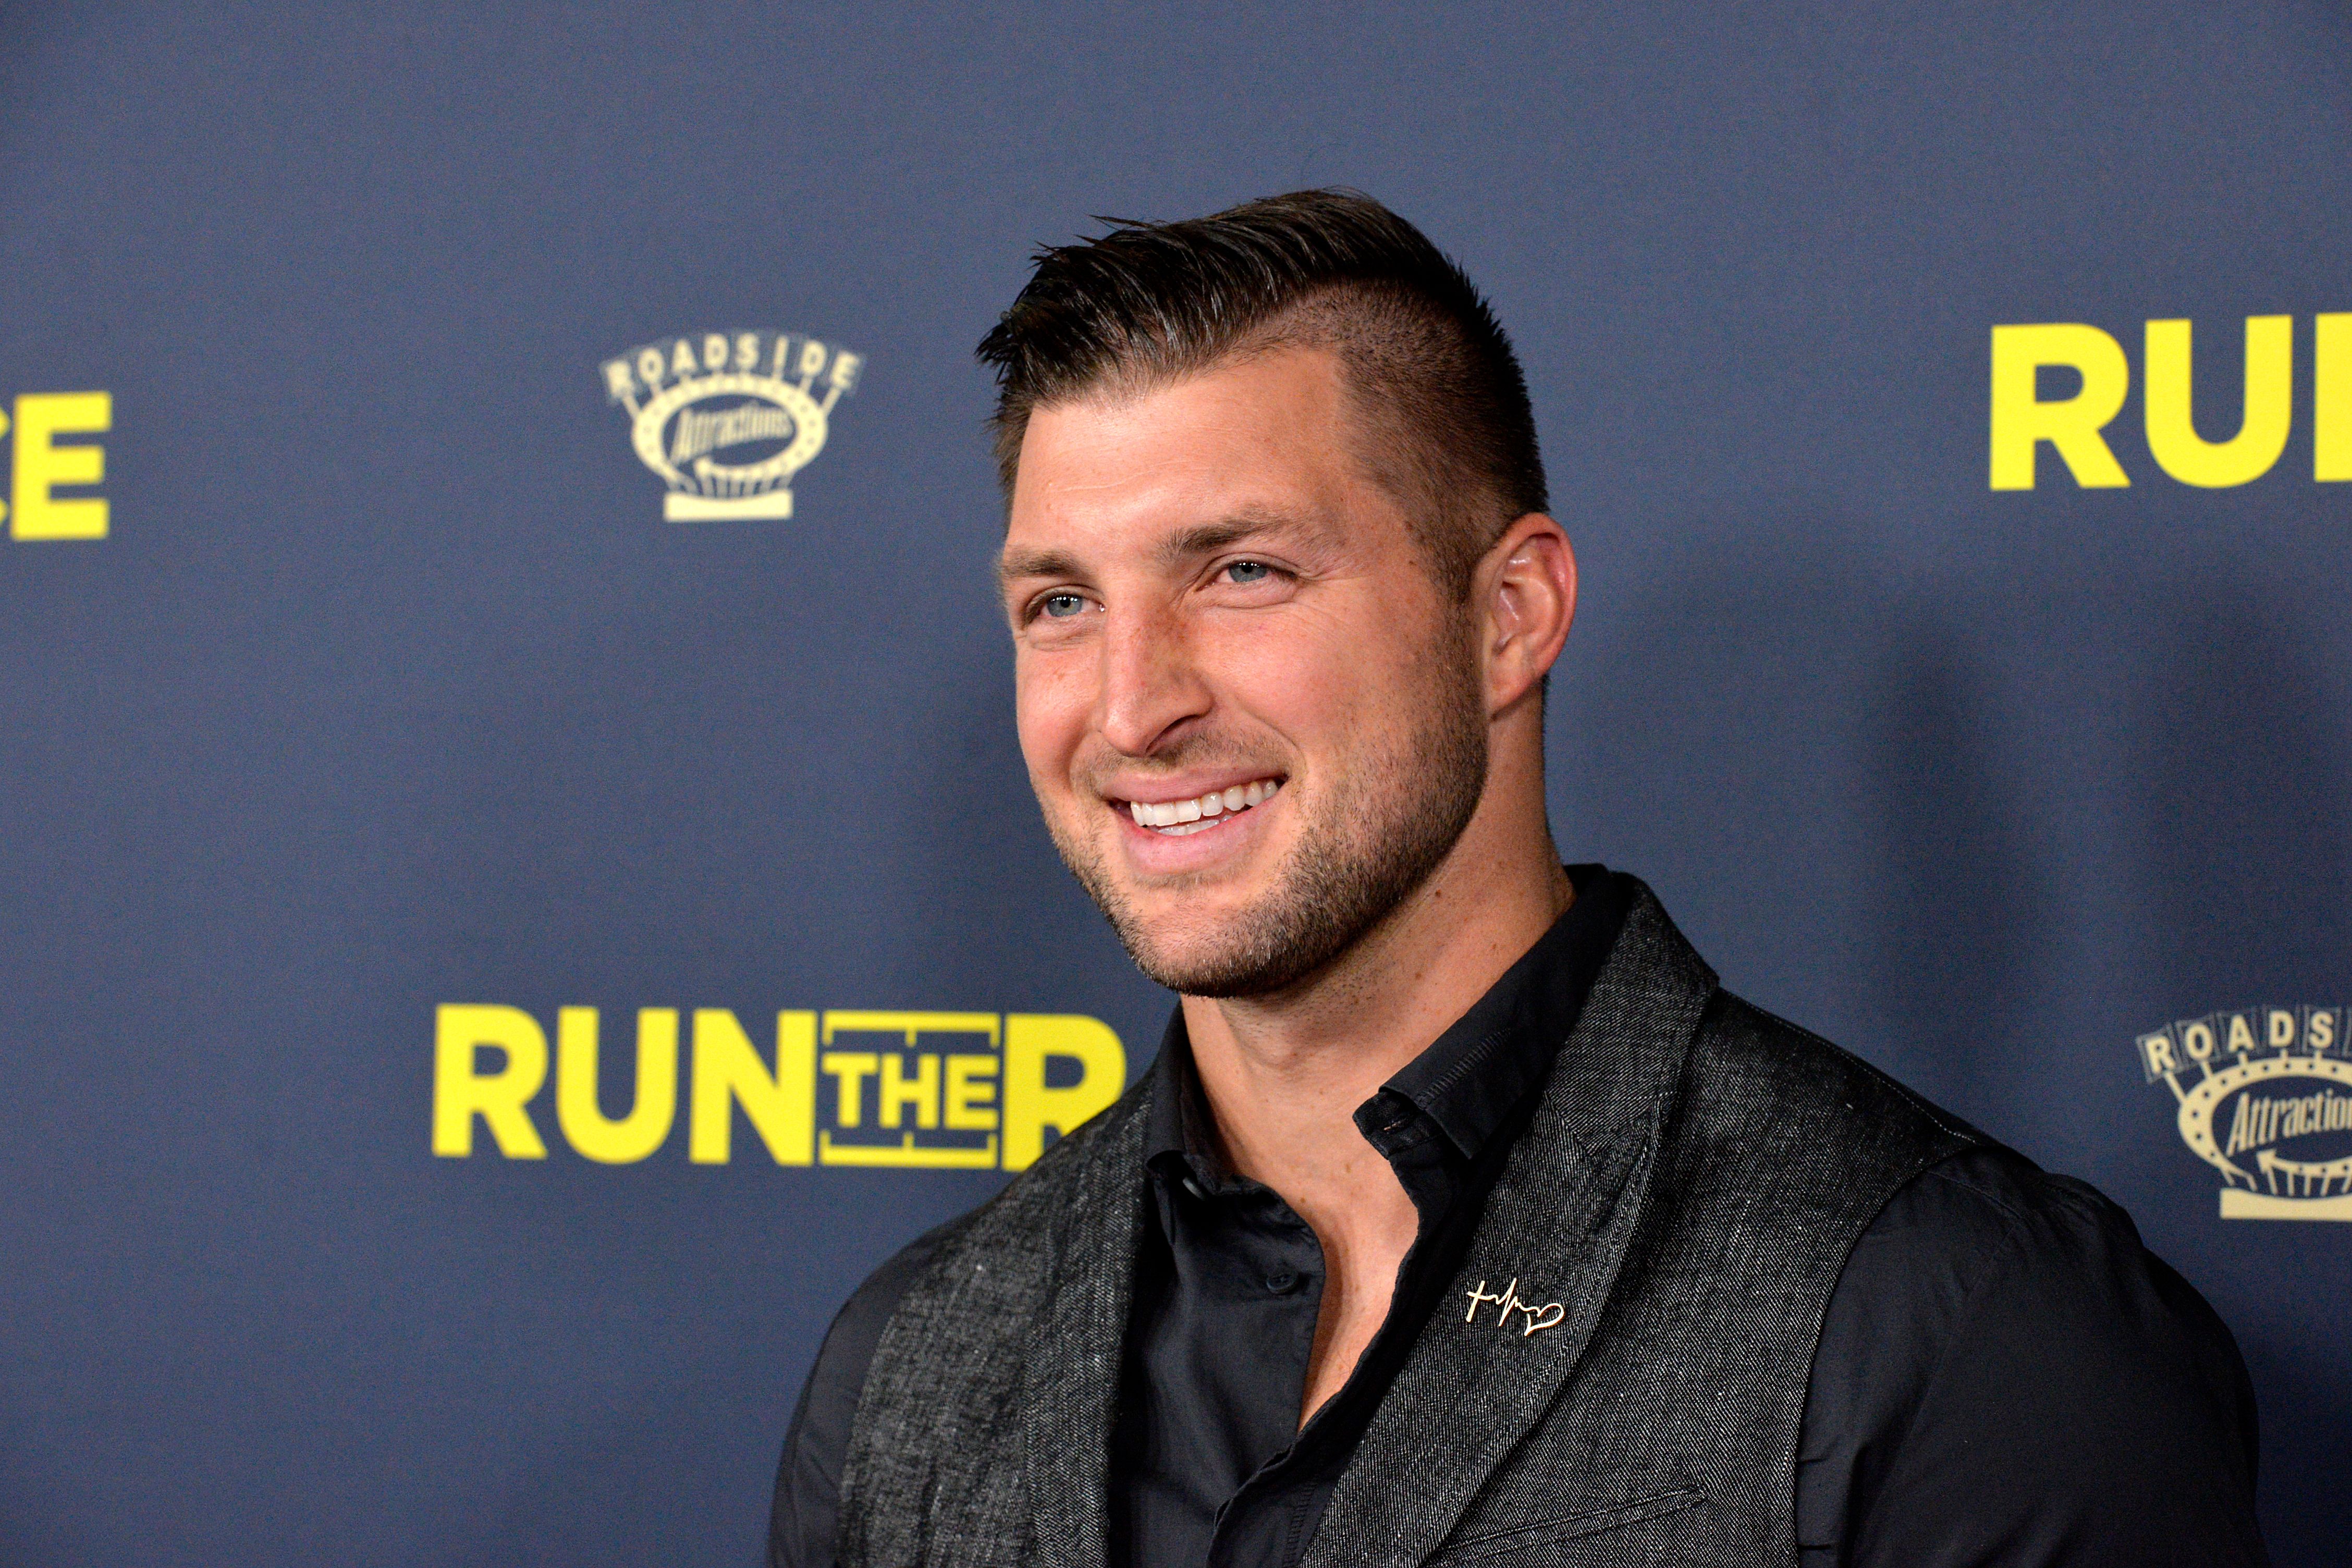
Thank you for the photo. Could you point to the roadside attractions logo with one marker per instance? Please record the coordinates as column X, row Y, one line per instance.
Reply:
column 2265, row 1098
column 923, row 1090
column 726, row 419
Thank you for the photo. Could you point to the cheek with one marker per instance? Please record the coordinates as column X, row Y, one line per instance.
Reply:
column 1326, row 676
column 1051, row 703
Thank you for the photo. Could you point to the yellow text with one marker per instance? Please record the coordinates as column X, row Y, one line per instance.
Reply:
column 39, row 465
column 2074, row 425
column 845, row 1086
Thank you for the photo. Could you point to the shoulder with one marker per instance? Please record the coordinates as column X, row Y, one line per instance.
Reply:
column 1814, row 1131
column 2002, row 1355
column 849, row 1343
column 982, row 1268
column 806, row 1504
column 1797, row 1069
column 1987, row 1235
column 2001, row 1213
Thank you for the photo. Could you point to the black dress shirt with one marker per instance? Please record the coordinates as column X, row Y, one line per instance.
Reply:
column 2005, row 1376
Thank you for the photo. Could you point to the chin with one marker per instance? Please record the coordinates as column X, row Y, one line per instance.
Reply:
column 1162, row 953
column 1228, row 953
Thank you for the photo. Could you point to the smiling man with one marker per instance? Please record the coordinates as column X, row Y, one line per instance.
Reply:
column 1464, row 1216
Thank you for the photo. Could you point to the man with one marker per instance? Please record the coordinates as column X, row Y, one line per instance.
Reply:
column 1464, row 1216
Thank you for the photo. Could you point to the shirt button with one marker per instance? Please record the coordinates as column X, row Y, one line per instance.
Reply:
column 1283, row 1283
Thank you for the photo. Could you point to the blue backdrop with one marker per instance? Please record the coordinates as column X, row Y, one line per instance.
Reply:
column 382, row 685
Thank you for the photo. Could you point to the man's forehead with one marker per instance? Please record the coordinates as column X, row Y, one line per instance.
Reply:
column 1257, row 449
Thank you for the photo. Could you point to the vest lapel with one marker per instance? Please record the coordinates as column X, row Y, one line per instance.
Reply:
column 1070, row 1376
column 1553, row 1237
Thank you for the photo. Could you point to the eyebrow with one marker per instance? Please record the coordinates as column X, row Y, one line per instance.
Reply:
column 1185, row 544
column 1015, row 565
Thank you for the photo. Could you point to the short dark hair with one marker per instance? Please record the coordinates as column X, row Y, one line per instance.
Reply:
column 1421, row 351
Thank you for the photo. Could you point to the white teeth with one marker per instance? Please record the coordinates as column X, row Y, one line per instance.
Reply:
column 1175, row 818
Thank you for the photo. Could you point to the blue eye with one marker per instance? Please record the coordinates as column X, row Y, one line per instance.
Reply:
column 1249, row 571
column 1062, row 606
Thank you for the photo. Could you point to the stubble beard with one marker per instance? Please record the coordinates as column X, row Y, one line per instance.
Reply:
column 1366, row 843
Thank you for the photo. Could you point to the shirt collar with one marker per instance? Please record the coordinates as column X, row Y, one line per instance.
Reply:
column 1464, row 1086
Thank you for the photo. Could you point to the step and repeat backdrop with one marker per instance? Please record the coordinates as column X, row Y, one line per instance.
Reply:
column 517, row 885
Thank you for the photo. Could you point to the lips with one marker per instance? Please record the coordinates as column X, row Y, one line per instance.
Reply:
column 1196, row 813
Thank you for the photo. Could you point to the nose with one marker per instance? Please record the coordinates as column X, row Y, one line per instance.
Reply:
column 1151, row 690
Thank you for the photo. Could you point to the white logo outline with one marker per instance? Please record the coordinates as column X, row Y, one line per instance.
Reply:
column 788, row 385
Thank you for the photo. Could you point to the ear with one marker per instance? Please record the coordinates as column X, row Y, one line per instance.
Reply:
column 1525, row 590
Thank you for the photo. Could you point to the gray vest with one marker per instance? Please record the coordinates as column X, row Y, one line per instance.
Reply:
column 1620, row 1380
